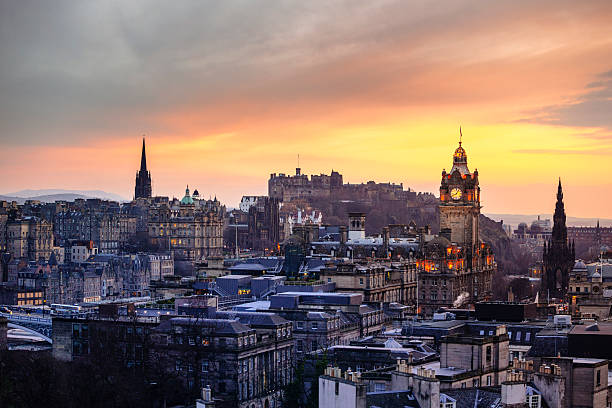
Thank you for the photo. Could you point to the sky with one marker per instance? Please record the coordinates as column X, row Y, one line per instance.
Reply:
column 228, row 92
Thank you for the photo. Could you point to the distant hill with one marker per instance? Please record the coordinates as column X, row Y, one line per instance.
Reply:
column 51, row 195
column 515, row 219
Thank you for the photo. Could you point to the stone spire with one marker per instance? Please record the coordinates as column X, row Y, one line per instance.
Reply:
column 559, row 232
column 143, row 158
column 143, row 177
column 559, row 254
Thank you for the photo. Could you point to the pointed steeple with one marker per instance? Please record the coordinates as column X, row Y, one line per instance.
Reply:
column 559, row 232
column 143, row 177
column 143, row 158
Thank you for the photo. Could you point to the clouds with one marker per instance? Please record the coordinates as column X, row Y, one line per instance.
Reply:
column 591, row 109
column 328, row 79
column 77, row 70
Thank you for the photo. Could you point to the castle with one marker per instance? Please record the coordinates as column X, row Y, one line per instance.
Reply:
column 286, row 188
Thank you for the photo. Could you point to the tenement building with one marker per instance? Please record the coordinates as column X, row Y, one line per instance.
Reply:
column 245, row 358
column 559, row 255
column 30, row 238
column 378, row 282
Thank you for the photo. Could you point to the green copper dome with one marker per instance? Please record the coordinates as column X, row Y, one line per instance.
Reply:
column 187, row 199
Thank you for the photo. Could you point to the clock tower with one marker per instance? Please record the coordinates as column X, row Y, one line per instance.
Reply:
column 460, row 205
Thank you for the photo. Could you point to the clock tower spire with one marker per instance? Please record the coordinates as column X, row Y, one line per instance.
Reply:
column 460, row 203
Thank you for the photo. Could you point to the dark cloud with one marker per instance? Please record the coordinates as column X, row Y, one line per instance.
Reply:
column 593, row 109
column 72, row 70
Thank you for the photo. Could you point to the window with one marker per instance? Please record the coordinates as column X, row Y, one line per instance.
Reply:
column 361, row 281
column 533, row 401
column 598, row 377
column 299, row 325
column 488, row 380
column 204, row 366
column 379, row 387
column 315, row 325
column 329, row 279
column 527, row 336
column 300, row 346
column 488, row 354
column 518, row 336
column 337, row 387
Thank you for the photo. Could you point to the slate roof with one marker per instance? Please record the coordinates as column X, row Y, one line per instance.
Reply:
column 391, row 399
column 253, row 318
column 221, row 326
column 475, row 397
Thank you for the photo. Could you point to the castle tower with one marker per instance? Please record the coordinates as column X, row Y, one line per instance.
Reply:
column 143, row 177
column 558, row 257
column 460, row 204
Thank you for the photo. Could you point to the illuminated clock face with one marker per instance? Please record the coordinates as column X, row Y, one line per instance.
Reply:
column 456, row 193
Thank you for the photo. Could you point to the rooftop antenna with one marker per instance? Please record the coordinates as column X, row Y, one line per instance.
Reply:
column 460, row 136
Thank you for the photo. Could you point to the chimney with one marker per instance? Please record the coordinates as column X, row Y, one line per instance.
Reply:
column 513, row 393
column 386, row 238
column 343, row 235
column 207, row 400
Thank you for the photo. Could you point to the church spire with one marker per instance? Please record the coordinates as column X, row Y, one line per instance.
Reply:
column 143, row 177
column 143, row 158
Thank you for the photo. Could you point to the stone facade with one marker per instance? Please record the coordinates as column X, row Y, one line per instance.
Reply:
column 559, row 255
column 377, row 282
column 30, row 238
column 246, row 359
column 191, row 230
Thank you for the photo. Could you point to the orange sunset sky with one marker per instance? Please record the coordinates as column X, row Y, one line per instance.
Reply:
column 228, row 92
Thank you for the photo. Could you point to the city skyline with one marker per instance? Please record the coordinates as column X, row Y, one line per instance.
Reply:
column 379, row 96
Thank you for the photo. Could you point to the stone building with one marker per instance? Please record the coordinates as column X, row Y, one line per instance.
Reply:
column 559, row 255
column 264, row 225
column 245, row 358
column 322, row 319
column 30, row 238
column 446, row 281
column 192, row 229
column 590, row 290
column 300, row 186
column 377, row 282
column 572, row 382
column 3, row 221
column 456, row 268
column 474, row 360
column 110, row 230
